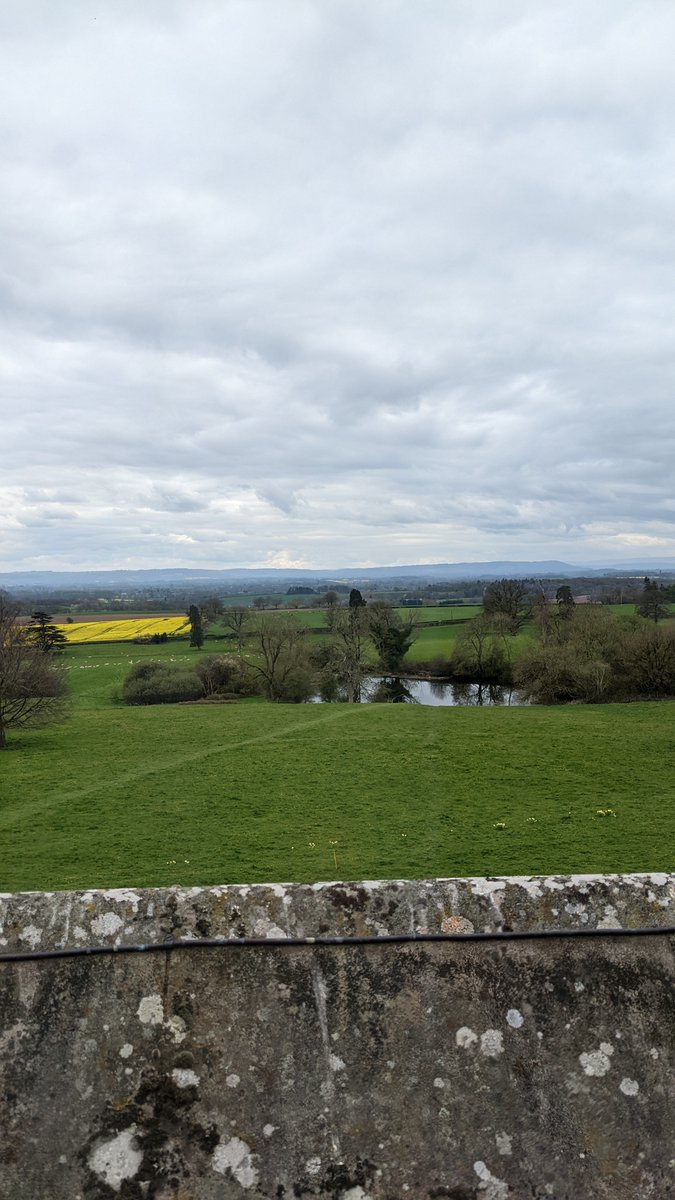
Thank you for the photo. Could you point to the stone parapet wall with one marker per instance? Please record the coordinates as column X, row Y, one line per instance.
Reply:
column 55, row 920
column 465, row 1070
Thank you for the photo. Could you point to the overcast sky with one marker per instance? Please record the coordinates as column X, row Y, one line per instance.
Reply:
column 336, row 282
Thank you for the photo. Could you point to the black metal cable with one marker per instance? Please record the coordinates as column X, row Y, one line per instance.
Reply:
column 496, row 935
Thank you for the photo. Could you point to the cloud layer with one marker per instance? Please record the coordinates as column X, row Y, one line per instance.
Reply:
column 320, row 282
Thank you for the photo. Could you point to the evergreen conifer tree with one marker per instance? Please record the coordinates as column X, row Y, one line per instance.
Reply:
column 196, row 627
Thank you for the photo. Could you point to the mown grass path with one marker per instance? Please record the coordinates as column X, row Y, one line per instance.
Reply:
column 198, row 794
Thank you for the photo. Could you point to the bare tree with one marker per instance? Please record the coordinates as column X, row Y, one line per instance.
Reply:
column 211, row 608
column 331, row 600
column 479, row 650
column 548, row 620
column 348, row 651
column 280, row 661
column 236, row 618
column 32, row 683
column 510, row 597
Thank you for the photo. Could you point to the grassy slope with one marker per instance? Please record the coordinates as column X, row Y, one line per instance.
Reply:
column 248, row 792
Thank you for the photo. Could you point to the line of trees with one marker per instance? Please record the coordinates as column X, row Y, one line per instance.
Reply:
column 33, row 689
column 289, row 668
column 284, row 664
column 593, row 656
column 574, row 653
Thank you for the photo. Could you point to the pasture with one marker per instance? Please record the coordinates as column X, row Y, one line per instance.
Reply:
column 247, row 792
column 315, row 618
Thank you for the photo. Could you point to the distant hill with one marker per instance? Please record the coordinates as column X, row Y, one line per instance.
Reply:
column 200, row 578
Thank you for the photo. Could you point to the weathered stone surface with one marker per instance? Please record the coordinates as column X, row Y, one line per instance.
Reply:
column 470, row 1071
column 54, row 920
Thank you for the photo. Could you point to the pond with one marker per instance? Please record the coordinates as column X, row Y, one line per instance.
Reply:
column 382, row 689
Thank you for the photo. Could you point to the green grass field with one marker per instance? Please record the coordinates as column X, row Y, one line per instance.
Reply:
column 199, row 794
column 315, row 618
column 429, row 642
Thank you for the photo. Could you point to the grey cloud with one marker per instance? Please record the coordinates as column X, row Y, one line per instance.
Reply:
column 331, row 277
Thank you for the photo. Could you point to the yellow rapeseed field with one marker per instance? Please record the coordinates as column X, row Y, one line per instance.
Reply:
column 124, row 630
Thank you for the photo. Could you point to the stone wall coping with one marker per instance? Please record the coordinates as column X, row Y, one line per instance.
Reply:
column 32, row 921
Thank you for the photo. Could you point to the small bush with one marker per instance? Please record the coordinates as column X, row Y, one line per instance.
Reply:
column 222, row 674
column 160, row 683
column 297, row 686
column 543, row 674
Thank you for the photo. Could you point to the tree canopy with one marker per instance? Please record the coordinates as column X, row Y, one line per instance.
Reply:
column 594, row 656
column 653, row 602
column 281, row 663
column 43, row 633
column 235, row 618
column 196, row 627
column 510, row 597
column 391, row 636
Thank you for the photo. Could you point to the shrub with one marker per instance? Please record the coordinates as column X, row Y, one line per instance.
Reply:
column 160, row 683
column 650, row 660
column 298, row 685
column 594, row 656
column 225, row 674
column 544, row 673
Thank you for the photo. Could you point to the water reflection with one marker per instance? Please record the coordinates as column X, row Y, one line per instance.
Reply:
column 489, row 694
column 438, row 688
column 392, row 691
column 386, row 689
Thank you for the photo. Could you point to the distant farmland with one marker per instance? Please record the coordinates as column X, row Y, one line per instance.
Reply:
column 125, row 630
column 123, row 627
